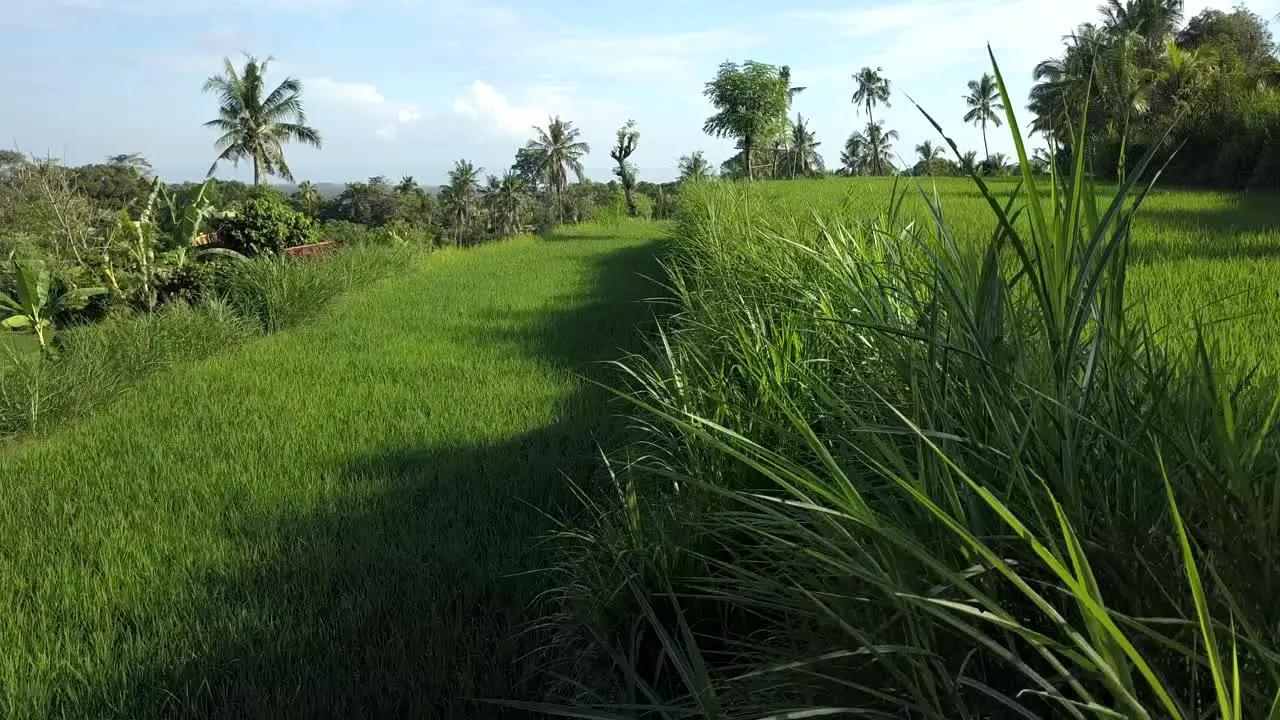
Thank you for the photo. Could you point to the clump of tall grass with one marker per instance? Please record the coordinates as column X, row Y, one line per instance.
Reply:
column 886, row 470
column 99, row 361
column 279, row 292
column 96, row 362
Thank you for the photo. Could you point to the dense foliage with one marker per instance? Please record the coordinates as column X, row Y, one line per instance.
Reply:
column 1209, row 89
column 265, row 225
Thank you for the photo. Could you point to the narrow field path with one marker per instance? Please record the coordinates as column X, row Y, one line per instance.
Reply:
column 330, row 522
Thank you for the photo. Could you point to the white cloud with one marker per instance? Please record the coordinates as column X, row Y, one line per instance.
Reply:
column 388, row 116
column 644, row 58
column 484, row 103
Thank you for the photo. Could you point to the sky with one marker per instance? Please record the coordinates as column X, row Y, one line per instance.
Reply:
column 407, row 87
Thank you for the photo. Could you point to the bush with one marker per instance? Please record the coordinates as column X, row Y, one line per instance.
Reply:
column 266, row 225
column 348, row 233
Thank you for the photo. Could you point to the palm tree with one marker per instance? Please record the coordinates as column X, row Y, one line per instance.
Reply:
column 407, row 185
column 694, row 167
column 928, row 153
column 996, row 164
column 802, row 151
column 875, row 147
column 461, row 197
column 256, row 124
column 561, row 152
column 784, row 75
column 307, row 198
column 853, row 156
column 873, row 90
column 505, row 198
column 969, row 163
column 1152, row 20
column 984, row 105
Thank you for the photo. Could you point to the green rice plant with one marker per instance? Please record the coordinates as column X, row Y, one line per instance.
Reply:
column 933, row 467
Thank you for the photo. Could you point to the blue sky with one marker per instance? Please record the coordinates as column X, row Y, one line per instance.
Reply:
column 408, row 86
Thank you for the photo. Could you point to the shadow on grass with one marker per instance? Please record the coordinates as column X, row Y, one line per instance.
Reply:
column 1229, row 231
column 411, row 594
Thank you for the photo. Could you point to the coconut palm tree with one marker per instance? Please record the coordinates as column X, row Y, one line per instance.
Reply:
column 853, row 156
column 784, row 74
column 461, row 197
column 802, row 158
column 969, row 163
column 878, row 147
column 407, row 185
column 928, row 154
column 307, row 198
column 1151, row 20
column 873, row 90
column 255, row 124
column 561, row 152
column 875, row 147
column 505, row 199
column 984, row 105
column 694, row 167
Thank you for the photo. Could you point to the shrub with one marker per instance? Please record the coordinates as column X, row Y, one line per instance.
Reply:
column 348, row 233
column 266, row 225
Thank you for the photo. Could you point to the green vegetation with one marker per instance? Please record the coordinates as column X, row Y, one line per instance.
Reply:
column 945, row 452
column 911, row 446
column 255, row 124
column 332, row 520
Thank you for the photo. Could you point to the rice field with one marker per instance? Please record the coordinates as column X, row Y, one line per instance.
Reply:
column 338, row 520
column 1197, row 255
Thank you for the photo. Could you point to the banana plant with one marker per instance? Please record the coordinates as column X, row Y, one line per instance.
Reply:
column 34, row 305
column 160, row 242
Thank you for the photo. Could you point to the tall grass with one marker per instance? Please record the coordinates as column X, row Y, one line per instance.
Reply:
column 99, row 361
column 890, row 468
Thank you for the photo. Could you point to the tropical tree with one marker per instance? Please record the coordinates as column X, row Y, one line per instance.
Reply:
column 751, row 100
column 694, row 167
column 873, row 90
column 307, row 199
column 784, row 75
column 984, row 105
column 407, row 185
column 505, row 199
column 801, row 155
column 928, row 152
column 255, row 124
column 1151, row 20
column 560, row 151
column 136, row 161
column 969, row 163
column 853, row 156
column 461, row 197
column 628, row 136
column 874, row 147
